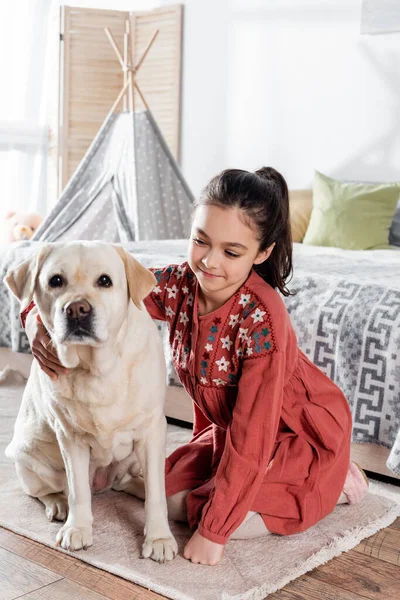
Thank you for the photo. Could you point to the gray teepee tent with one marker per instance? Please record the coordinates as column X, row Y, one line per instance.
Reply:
column 128, row 187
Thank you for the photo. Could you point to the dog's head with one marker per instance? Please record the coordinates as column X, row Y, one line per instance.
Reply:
column 81, row 289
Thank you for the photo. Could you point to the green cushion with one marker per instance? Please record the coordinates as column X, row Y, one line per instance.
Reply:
column 354, row 216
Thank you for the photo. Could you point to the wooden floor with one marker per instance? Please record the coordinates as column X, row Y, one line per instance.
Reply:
column 31, row 571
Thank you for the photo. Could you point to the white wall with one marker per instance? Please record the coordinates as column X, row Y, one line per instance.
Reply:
column 287, row 83
column 291, row 84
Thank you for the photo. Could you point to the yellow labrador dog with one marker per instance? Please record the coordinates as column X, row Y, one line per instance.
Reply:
column 102, row 424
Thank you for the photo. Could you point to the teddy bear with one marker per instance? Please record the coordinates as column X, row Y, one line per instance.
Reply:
column 21, row 226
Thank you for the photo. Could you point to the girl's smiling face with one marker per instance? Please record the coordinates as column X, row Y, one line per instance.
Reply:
column 222, row 251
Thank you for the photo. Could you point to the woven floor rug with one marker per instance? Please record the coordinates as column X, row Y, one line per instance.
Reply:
column 250, row 570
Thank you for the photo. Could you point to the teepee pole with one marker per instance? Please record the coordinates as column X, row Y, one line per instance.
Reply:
column 115, row 47
column 118, row 100
column 139, row 64
column 129, row 71
column 126, row 51
column 141, row 96
column 130, row 74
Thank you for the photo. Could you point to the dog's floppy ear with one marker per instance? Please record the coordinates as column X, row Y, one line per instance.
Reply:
column 21, row 280
column 140, row 280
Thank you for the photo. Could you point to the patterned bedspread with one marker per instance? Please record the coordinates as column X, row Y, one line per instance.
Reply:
column 346, row 313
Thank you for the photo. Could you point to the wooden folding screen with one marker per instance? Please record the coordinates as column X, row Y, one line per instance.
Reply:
column 91, row 78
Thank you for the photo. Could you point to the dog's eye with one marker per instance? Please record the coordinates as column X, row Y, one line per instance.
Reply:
column 104, row 281
column 56, row 281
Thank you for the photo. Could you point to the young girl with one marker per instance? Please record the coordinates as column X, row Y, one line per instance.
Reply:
column 271, row 443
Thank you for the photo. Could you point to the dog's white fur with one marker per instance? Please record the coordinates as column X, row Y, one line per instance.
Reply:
column 104, row 421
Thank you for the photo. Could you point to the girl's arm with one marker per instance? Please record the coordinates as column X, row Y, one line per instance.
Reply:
column 160, row 297
column 249, row 445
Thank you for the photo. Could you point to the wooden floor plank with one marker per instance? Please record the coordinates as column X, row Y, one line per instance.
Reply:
column 102, row 582
column 64, row 589
column 370, row 571
column 396, row 524
column 309, row 588
column 363, row 575
column 384, row 545
column 19, row 576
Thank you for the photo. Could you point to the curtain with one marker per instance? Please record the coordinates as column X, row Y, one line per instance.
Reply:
column 24, row 90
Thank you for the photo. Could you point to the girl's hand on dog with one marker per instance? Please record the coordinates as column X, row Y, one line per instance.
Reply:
column 42, row 347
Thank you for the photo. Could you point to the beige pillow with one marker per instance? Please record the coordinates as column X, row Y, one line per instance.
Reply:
column 300, row 206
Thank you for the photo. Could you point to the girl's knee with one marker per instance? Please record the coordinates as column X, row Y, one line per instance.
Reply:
column 252, row 527
column 177, row 509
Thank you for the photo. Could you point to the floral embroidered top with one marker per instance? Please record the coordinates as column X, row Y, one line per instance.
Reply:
column 255, row 393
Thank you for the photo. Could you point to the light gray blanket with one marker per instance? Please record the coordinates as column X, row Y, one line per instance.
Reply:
column 346, row 313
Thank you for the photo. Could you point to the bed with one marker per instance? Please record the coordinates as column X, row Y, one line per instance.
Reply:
column 346, row 314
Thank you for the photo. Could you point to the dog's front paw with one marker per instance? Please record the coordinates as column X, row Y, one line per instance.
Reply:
column 160, row 550
column 74, row 538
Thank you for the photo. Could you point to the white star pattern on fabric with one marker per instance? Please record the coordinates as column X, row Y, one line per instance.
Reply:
column 249, row 351
column 178, row 335
column 185, row 289
column 190, row 299
column 239, row 352
column 244, row 299
column 184, row 318
column 169, row 312
column 233, row 320
column 243, row 334
column 258, row 315
column 203, row 380
column 156, row 289
column 172, row 291
column 179, row 272
column 222, row 364
column 219, row 382
column 226, row 343
column 208, row 347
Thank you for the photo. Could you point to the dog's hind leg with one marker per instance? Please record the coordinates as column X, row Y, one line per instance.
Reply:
column 130, row 485
column 46, row 485
column 56, row 506
column 127, row 477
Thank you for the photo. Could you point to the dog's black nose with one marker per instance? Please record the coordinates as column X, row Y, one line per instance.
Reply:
column 78, row 310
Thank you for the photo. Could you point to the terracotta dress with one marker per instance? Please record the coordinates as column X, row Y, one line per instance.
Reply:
column 271, row 431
